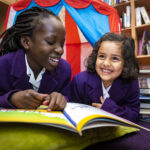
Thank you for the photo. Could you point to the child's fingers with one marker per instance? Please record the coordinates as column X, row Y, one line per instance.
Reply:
column 45, row 102
column 51, row 105
column 101, row 100
column 97, row 105
column 38, row 96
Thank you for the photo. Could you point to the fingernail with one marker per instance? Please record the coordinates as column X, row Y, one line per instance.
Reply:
column 49, row 109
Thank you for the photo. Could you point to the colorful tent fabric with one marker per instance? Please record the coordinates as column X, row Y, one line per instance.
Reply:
column 85, row 22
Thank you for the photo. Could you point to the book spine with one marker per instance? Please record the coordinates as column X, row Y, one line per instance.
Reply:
column 145, row 91
column 125, row 18
column 143, row 71
column 144, row 83
column 144, row 105
column 128, row 14
column 144, row 15
column 138, row 16
column 141, row 44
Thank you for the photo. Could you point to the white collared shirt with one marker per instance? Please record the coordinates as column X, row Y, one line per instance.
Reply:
column 35, row 82
column 105, row 91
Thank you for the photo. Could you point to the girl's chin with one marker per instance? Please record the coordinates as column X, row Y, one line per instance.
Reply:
column 50, row 68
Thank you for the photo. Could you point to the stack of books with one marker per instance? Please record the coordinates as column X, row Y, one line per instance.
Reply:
column 114, row 2
column 142, row 16
column 144, row 84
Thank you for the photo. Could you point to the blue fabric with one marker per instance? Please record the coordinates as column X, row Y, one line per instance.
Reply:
column 55, row 9
column 92, row 24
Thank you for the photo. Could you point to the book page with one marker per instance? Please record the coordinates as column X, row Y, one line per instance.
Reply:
column 80, row 114
column 54, row 118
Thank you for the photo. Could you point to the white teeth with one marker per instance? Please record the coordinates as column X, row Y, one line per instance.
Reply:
column 107, row 71
column 54, row 59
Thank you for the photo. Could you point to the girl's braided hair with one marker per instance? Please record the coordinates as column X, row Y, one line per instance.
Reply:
column 24, row 25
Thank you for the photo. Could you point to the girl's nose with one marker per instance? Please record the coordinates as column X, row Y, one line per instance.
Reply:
column 59, row 50
column 106, row 62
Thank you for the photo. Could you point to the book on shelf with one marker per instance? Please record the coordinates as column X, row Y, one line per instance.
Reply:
column 144, row 82
column 145, row 91
column 128, row 16
column 144, row 71
column 147, row 45
column 144, row 44
column 124, row 18
column 146, row 98
column 75, row 117
column 144, row 105
column 138, row 16
column 145, row 101
column 114, row 2
column 144, row 15
column 145, row 112
column 147, row 119
column 141, row 42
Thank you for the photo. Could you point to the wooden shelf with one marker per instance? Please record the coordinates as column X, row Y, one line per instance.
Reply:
column 145, row 3
column 141, row 28
column 3, row 10
column 144, row 60
column 7, row 2
column 121, row 7
column 126, row 31
column 136, row 31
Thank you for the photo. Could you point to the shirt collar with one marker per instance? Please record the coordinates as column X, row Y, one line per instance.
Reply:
column 35, row 82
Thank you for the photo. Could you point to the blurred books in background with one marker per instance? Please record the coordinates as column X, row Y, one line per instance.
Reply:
column 144, row 44
column 144, row 85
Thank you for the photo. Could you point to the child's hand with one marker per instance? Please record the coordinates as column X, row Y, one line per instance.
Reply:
column 55, row 101
column 27, row 99
column 98, row 105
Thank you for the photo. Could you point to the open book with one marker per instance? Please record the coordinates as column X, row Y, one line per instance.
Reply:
column 75, row 117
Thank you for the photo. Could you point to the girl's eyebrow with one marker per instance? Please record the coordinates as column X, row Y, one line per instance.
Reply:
column 115, row 55
column 99, row 52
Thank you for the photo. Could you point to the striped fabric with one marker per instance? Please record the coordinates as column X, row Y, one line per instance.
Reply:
column 85, row 22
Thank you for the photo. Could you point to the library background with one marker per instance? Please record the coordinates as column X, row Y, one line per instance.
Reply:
column 135, row 18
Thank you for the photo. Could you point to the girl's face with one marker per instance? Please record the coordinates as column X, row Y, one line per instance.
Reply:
column 109, row 62
column 46, row 45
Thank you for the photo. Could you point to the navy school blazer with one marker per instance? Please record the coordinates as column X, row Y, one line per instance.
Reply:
column 124, row 100
column 13, row 77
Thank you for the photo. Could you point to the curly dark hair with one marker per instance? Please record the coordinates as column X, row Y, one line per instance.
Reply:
column 25, row 24
column 131, row 66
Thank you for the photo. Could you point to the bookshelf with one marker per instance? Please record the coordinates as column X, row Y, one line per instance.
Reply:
column 136, row 31
column 3, row 10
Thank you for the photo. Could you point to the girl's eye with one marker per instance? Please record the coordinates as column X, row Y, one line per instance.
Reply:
column 101, row 56
column 50, row 42
column 115, row 58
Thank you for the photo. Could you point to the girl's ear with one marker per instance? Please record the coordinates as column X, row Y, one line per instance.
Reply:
column 25, row 40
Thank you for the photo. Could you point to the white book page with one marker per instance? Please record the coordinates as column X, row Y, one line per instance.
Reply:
column 77, row 112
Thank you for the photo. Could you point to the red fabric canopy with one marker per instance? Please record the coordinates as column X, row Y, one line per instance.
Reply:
column 76, row 50
column 99, row 5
